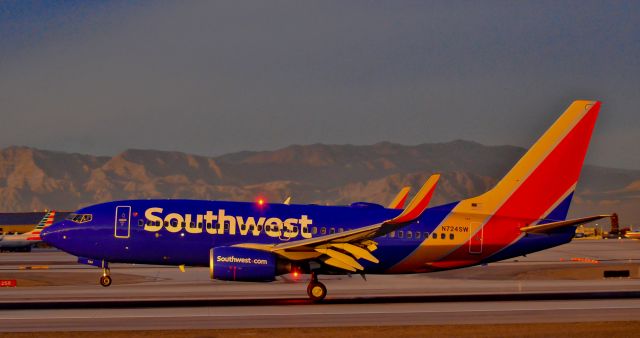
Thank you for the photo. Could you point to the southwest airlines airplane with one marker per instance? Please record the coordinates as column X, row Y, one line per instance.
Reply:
column 243, row 241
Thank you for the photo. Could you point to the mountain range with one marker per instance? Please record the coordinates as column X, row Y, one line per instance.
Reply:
column 34, row 179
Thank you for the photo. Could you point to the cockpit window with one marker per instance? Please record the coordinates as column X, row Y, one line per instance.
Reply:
column 79, row 218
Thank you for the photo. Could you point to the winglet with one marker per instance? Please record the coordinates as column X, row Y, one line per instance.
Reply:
column 401, row 197
column 287, row 201
column 419, row 202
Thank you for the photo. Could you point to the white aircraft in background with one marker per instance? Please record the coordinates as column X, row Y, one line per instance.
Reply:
column 24, row 242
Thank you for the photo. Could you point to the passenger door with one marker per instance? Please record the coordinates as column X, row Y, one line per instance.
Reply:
column 476, row 239
column 122, row 222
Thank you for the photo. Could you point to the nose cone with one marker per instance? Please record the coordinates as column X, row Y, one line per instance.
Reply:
column 51, row 234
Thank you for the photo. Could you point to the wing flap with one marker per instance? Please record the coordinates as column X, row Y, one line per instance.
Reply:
column 344, row 258
column 356, row 251
column 338, row 264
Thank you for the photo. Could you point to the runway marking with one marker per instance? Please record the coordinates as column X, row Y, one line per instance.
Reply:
column 324, row 313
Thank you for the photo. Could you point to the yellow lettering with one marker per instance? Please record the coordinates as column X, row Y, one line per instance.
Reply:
column 176, row 226
column 224, row 220
column 273, row 227
column 304, row 226
column 290, row 230
column 154, row 223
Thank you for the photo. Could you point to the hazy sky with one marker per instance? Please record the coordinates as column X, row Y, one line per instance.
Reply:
column 215, row 77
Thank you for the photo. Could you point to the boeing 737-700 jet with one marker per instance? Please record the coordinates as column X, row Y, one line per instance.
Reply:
column 243, row 241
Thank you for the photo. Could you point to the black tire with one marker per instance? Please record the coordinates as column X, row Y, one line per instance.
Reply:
column 105, row 281
column 316, row 291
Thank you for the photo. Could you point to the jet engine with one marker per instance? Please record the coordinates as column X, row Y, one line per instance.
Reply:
column 244, row 264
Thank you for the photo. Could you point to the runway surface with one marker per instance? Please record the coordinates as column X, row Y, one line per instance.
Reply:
column 320, row 315
column 564, row 284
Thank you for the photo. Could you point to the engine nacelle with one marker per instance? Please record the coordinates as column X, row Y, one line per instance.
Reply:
column 242, row 264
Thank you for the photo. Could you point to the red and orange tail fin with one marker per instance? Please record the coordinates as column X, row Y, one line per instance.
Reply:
column 547, row 174
column 401, row 197
column 47, row 220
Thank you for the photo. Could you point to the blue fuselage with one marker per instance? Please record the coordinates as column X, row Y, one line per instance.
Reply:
column 175, row 232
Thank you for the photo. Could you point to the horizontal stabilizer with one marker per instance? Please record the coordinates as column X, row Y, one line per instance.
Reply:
column 548, row 227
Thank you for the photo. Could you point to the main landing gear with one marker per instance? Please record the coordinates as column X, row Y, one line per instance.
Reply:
column 105, row 279
column 316, row 290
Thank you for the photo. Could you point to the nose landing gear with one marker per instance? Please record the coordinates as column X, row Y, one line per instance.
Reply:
column 316, row 290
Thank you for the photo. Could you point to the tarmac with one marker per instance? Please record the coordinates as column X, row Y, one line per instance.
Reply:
column 564, row 284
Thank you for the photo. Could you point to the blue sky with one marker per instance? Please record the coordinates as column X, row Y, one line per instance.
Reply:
column 216, row 77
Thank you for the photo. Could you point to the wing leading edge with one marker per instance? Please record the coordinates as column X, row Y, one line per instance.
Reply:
column 342, row 250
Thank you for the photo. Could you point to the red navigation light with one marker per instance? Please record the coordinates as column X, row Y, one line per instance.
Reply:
column 260, row 201
column 296, row 274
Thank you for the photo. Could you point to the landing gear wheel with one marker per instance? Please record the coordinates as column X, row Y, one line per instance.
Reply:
column 316, row 291
column 105, row 281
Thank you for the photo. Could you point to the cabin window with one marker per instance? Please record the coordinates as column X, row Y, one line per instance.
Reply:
column 259, row 227
column 400, row 234
column 314, row 230
column 174, row 222
column 267, row 228
column 157, row 223
column 409, row 235
column 140, row 222
column 451, row 236
column 332, row 231
column 443, row 236
column 323, row 231
column 192, row 224
column 226, row 227
column 208, row 225
column 340, row 230
column 392, row 234
column 418, row 234
column 434, row 235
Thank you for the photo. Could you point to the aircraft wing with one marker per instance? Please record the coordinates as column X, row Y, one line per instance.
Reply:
column 548, row 227
column 343, row 249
